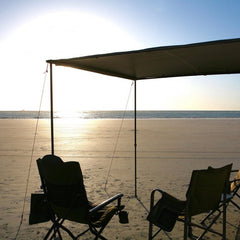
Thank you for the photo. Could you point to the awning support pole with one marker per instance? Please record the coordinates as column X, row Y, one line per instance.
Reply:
column 135, row 134
column 51, row 106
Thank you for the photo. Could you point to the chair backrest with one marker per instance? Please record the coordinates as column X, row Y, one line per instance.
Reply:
column 236, row 183
column 205, row 189
column 62, row 183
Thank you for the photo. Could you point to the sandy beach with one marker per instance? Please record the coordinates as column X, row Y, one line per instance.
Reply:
column 168, row 151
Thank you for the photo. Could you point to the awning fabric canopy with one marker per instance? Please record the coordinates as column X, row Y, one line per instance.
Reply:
column 215, row 57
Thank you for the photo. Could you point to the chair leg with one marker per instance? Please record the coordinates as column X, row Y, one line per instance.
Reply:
column 52, row 229
column 207, row 228
column 101, row 237
column 236, row 205
column 224, row 220
column 150, row 231
column 185, row 229
column 210, row 213
column 55, row 234
column 55, row 231
column 97, row 233
column 81, row 234
column 187, row 222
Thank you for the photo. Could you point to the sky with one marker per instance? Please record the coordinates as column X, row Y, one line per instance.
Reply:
column 32, row 32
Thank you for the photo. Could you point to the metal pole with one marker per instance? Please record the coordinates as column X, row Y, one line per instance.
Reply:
column 51, row 106
column 135, row 133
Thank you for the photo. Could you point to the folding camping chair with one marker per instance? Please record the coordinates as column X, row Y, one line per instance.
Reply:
column 230, row 196
column 66, row 199
column 203, row 195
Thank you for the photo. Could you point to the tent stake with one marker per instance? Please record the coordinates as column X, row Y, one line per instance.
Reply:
column 51, row 112
column 135, row 133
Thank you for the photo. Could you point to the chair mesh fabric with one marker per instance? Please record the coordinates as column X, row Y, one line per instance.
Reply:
column 205, row 189
column 65, row 188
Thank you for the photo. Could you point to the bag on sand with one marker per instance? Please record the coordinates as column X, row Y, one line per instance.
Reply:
column 39, row 211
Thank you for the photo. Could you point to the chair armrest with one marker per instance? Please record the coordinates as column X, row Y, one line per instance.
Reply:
column 106, row 202
column 153, row 196
column 167, row 196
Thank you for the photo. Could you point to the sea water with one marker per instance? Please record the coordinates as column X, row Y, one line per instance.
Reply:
column 119, row 114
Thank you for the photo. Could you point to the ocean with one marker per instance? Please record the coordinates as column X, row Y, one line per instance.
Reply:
column 119, row 114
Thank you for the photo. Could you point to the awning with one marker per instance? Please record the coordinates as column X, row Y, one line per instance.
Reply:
column 207, row 58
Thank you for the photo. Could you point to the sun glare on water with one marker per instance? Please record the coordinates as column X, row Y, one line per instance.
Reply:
column 68, row 114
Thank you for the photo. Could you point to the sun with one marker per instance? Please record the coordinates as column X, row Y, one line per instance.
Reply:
column 54, row 35
column 74, row 35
